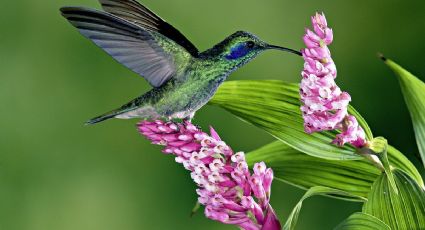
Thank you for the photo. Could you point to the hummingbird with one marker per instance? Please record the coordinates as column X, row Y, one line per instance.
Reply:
column 182, row 78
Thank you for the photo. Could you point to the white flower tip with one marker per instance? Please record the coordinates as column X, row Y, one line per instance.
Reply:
column 260, row 168
column 238, row 157
column 179, row 160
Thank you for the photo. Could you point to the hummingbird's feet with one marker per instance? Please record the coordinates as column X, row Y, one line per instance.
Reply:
column 189, row 118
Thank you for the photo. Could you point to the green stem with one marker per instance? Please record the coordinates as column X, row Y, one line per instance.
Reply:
column 376, row 152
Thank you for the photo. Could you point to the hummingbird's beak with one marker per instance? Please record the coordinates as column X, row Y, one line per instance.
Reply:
column 284, row 49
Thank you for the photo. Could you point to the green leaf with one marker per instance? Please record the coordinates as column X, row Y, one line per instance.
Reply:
column 362, row 221
column 304, row 171
column 414, row 94
column 275, row 107
column 314, row 191
column 398, row 160
column 405, row 210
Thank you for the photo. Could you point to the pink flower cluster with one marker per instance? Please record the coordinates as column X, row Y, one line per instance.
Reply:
column 324, row 104
column 230, row 193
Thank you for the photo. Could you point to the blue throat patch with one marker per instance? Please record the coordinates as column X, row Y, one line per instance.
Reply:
column 237, row 52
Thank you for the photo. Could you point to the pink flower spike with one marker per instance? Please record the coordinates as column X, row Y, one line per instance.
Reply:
column 230, row 193
column 324, row 105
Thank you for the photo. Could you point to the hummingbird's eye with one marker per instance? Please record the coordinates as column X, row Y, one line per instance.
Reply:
column 250, row 44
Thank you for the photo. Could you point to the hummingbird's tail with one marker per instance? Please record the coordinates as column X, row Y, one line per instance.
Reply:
column 133, row 109
column 101, row 118
column 112, row 114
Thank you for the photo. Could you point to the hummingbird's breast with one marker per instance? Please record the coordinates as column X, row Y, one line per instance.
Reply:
column 192, row 91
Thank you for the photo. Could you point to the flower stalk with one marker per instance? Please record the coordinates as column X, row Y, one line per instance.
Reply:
column 230, row 193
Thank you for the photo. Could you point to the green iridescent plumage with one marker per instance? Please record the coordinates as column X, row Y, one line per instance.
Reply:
column 183, row 79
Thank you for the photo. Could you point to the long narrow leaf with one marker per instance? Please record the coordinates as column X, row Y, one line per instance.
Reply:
column 405, row 210
column 304, row 171
column 414, row 94
column 398, row 160
column 362, row 221
column 314, row 191
column 275, row 107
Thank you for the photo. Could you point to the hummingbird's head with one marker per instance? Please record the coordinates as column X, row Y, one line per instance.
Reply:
column 241, row 47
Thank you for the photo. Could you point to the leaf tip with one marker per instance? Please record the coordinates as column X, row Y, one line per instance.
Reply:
column 381, row 56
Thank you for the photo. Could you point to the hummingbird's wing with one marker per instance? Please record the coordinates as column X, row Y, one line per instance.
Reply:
column 133, row 11
column 149, row 54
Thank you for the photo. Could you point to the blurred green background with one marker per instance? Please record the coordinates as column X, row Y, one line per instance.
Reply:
column 56, row 174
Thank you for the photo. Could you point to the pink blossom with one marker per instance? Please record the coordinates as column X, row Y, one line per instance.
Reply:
column 324, row 105
column 230, row 193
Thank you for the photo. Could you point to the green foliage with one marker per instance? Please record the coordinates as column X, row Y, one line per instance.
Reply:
column 362, row 221
column 398, row 160
column 304, row 171
column 414, row 94
column 311, row 162
column 314, row 191
column 274, row 106
column 402, row 210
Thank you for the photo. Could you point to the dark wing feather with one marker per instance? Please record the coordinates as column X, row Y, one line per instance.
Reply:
column 134, row 12
column 127, row 43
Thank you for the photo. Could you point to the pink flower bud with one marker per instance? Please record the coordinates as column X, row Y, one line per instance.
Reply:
column 267, row 180
column 214, row 215
column 257, row 187
column 260, row 169
column 238, row 157
column 214, row 134
column 216, row 165
column 190, row 147
column 185, row 137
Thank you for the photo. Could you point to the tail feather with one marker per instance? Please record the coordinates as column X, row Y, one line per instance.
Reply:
column 100, row 118
column 133, row 109
column 108, row 115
